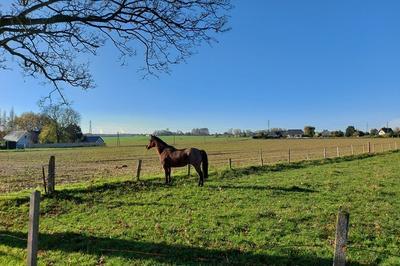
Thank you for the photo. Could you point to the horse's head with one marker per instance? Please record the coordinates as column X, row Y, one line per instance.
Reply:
column 152, row 143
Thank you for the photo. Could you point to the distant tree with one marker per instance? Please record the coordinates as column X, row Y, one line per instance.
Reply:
column 11, row 119
column 396, row 132
column 337, row 134
column 229, row 132
column 358, row 133
column 309, row 131
column 374, row 132
column 249, row 133
column 4, row 118
column 163, row 132
column 48, row 134
column 61, row 117
column 350, row 130
column 31, row 122
column 237, row 132
column 73, row 133
column 200, row 132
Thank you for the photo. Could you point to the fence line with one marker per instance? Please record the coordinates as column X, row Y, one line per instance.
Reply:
column 151, row 165
column 261, row 158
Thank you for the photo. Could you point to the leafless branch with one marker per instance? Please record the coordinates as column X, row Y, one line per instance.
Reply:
column 47, row 36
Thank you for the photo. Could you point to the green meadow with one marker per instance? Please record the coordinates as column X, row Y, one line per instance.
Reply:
column 276, row 215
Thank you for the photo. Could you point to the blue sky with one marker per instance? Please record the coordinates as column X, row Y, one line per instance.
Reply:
column 324, row 63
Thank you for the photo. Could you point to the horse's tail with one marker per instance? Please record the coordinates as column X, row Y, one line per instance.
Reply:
column 204, row 159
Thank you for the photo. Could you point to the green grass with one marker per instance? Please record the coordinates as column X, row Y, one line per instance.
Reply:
column 282, row 214
column 22, row 169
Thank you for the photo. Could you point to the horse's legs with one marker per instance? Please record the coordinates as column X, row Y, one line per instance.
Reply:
column 169, row 175
column 167, row 171
column 201, row 176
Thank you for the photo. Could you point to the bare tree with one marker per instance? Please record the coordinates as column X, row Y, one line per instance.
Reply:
column 45, row 36
column 61, row 117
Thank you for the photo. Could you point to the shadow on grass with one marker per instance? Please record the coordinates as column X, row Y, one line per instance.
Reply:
column 97, row 193
column 162, row 253
column 281, row 189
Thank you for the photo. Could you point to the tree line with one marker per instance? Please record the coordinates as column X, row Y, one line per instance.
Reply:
column 307, row 131
column 55, row 123
column 194, row 132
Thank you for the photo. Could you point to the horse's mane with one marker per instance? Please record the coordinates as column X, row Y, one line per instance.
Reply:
column 162, row 142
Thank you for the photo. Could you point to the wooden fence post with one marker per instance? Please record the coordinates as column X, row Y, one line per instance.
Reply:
column 51, row 175
column 138, row 169
column 352, row 149
column 44, row 180
column 324, row 153
column 188, row 169
column 230, row 163
column 33, row 228
column 342, row 228
column 337, row 151
column 369, row 147
column 289, row 156
column 261, row 158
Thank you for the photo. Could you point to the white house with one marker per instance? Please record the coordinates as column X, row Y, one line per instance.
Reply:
column 385, row 131
column 20, row 139
column 294, row 133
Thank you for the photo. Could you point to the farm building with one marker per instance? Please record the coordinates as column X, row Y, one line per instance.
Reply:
column 94, row 139
column 294, row 133
column 20, row 139
column 325, row 133
column 385, row 131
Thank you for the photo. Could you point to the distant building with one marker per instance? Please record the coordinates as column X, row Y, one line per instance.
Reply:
column 20, row 139
column 325, row 133
column 385, row 131
column 274, row 134
column 94, row 139
column 293, row 133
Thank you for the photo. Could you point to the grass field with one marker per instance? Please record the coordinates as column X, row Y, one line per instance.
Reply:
column 282, row 214
column 23, row 169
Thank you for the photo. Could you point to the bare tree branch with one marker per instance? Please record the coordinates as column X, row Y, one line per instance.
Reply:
column 46, row 36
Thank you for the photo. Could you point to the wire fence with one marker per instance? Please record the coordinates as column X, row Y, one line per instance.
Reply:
column 21, row 173
column 238, row 159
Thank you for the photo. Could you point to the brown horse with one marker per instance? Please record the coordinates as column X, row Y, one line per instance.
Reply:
column 172, row 157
